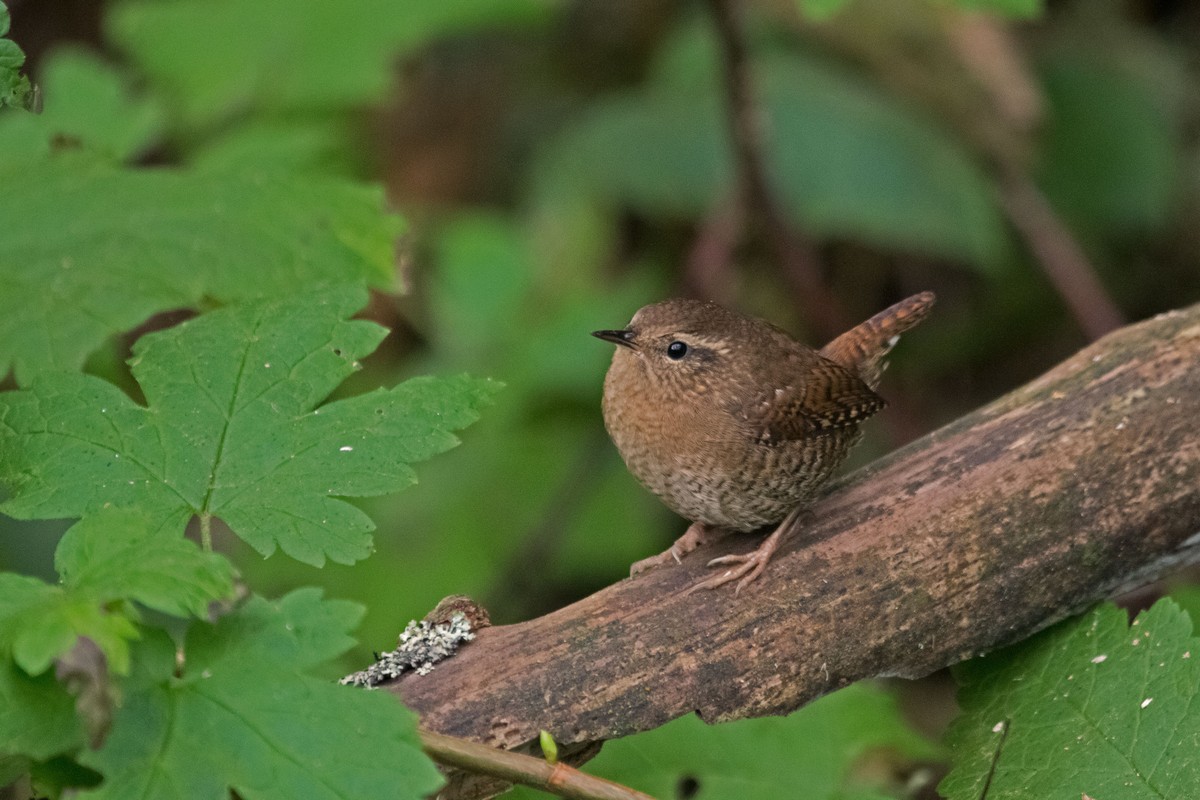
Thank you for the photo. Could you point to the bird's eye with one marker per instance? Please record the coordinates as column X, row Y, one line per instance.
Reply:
column 676, row 350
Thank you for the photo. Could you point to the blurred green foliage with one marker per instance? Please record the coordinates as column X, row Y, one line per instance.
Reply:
column 771, row 757
column 94, row 109
column 1122, row 178
column 215, row 60
column 560, row 164
column 846, row 159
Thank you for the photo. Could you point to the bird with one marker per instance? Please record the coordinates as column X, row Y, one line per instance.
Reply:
column 736, row 425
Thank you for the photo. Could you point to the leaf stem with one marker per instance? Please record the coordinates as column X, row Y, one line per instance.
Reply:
column 559, row 779
column 206, row 532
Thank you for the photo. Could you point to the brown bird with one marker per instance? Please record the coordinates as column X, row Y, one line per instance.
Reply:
column 733, row 423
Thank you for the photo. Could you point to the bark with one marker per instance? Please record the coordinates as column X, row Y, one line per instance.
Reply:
column 1084, row 483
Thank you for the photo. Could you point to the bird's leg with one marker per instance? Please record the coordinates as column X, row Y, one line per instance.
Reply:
column 697, row 534
column 749, row 565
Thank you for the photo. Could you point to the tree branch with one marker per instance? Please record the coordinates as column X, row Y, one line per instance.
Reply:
column 1081, row 484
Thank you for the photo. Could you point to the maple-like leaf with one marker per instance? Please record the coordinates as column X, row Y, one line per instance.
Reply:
column 233, row 430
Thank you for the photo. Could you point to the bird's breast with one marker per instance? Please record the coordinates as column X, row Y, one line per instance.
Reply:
column 698, row 455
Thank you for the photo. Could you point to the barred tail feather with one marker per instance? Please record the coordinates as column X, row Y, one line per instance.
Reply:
column 862, row 349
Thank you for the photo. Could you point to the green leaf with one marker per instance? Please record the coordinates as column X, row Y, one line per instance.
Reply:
column 37, row 715
column 845, row 158
column 43, row 622
column 230, row 429
column 852, row 161
column 114, row 556
column 86, row 254
column 234, row 720
column 88, row 105
column 807, row 754
column 301, row 630
column 15, row 89
column 1093, row 706
column 118, row 554
column 214, row 59
column 316, row 145
column 1110, row 157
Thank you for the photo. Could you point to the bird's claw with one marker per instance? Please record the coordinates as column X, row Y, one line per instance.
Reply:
column 692, row 538
column 639, row 567
column 749, row 567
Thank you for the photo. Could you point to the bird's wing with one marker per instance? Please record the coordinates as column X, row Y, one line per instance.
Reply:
column 823, row 398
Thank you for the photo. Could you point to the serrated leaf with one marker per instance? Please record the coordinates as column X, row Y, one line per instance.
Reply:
column 39, row 622
column 240, row 717
column 300, row 629
column 15, row 89
column 230, row 430
column 25, row 605
column 1093, row 707
column 49, row 628
column 806, row 754
column 214, row 59
column 141, row 242
column 116, row 555
column 87, row 106
column 119, row 554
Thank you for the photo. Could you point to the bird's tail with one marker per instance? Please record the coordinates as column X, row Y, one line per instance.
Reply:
column 863, row 347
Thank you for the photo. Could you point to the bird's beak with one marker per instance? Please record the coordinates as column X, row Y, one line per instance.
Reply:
column 623, row 338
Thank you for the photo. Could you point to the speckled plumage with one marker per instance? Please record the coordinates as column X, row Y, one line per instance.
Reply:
column 749, row 423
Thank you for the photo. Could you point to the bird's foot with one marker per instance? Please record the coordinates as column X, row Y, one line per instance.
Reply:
column 696, row 535
column 748, row 565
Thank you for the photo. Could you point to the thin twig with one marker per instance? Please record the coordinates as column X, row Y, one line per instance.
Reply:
column 559, row 779
column 1065, row 263
column 795, row 254
column 706, row 270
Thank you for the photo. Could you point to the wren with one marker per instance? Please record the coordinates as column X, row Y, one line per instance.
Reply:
column 734, row 424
